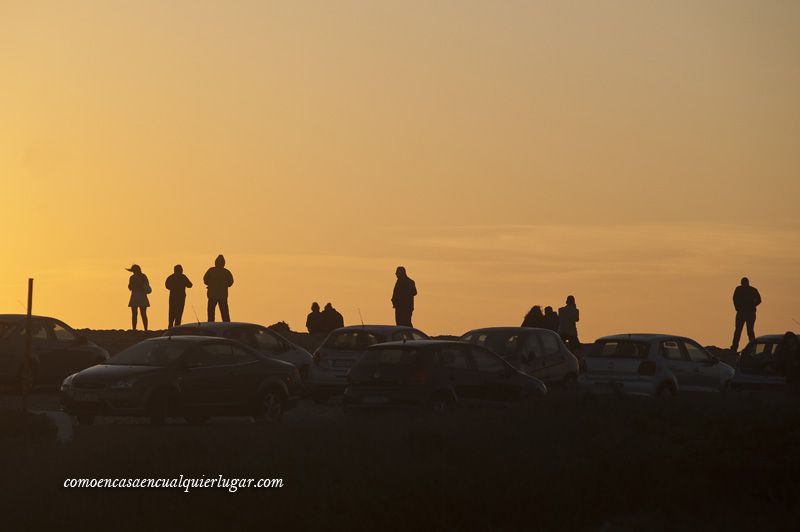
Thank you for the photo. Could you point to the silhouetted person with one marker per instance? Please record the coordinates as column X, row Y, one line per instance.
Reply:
column 139, row 286
column 331, row 319
column 550, row 319
column 568, row 318
column 788, row 355
column 177, row 283
column 218, row 279
column 534, row 317
column 403, row 297
column 315, row 320
column 745, row 300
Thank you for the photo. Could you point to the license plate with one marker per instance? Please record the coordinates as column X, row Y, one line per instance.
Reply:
column 373, row 400
column 86, row 396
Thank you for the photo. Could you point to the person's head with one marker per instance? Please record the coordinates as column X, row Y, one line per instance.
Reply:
column 328, row 306
column 571, row 300
column 548, row 310
column 220, row 262
column 178, row 269
column 745, row 281
column 400, row 272
column 135, row 269
column 314, row 307
column 790, row 340
column 536, row 310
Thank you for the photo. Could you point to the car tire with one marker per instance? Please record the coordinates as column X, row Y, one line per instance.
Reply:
column 441, row 404
column 320, row 398
column 159, row 407
column 85, row 420
column 270, row 405
column 665, row 392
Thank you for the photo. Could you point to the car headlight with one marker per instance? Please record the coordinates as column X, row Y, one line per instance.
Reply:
column 123, row 385
column 67, row 384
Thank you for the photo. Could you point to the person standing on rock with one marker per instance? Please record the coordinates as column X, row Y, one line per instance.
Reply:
column 139, row 286
column 405, row 289
column 745, row 300
column 218, row 279
column 177, row 283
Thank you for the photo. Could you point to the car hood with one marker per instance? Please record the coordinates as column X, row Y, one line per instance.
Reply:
column 108, row 373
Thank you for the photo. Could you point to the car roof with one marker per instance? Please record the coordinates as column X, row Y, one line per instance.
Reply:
column 770, row 337
column 219, row 325
column 506, row 329
column 19, row 318
column 418, row 343
column 642, row 337
column 374, row 328
column 186, row 338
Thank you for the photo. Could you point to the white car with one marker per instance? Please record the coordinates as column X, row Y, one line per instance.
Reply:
column 343, row 348
column 654, row 365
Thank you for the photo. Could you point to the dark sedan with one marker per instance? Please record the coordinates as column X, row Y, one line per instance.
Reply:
column 437, row 375
column 57, row 350
column 193, row 377
column 760, row 367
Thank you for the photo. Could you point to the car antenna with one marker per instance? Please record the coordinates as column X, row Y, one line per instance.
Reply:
column 797, row 322
column 362, row 319
column 195, row 314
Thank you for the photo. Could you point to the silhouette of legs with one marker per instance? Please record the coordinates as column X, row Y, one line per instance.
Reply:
column 134, row 317
column 143, row 310
column 742, row 319
column 223, row 309
column 402, row 316
column 176, row 312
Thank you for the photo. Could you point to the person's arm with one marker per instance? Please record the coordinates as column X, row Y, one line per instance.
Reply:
column 166, row 283
column 188, row 282
column 413, row 288
column 577, row 315
column 205, row 277
column 230, row 279
column 757, row 301
column 394, row 295
column 130, row 283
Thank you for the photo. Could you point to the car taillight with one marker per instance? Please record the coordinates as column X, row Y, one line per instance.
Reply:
column 648, row 367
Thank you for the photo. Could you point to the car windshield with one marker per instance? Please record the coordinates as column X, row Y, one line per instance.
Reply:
column 390, row 357
column 190, row 331
column 151, row 353
column 355, row 340
column 618, row 349
column 6, row 329
column 504, row 343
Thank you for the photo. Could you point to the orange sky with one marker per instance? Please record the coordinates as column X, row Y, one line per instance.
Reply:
column 641, row 157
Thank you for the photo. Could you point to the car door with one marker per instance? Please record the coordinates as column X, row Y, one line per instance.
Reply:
column 56, row 354
column 206, row 380
column 460, row 370
column 246, row 374
column 705, row 369
column 552, row 356
column 533, row 363
column 675, row 358
column 496, row 383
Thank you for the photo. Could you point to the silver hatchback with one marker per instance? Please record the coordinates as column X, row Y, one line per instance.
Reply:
column 653, row 365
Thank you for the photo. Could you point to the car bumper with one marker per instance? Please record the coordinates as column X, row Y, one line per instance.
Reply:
column 610, row 386
column 327, row 380
column 369, row 398
column 123, row 402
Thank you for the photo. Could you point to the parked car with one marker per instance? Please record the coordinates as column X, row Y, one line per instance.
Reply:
column 57, row 350
column 344, row 347
column 438, row 375
column 759, row 367
column 262, row 339
column 655, row 365
column 537, row 352
column 195, row 377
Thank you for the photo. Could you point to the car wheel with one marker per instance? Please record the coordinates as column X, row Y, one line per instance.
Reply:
column 441, row 404
column 159, row 407
column 665, row 392
column 270, row 405
column 196, row 419
column 86, row 420
column 319, row 398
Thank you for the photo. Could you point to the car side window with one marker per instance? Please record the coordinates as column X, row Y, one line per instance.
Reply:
column 671, row 350
column 62, row 334
column 400, row 335
column 550, row 345
column 240, row 355
column 454, row 357
column 265, row 340
column 40, row 330
column 217, row 355
column 532, row 349
column 469, row 338
column 486, row 362
column 417, row 335
column 696, row 353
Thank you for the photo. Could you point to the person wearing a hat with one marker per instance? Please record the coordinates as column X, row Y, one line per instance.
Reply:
column 139, row 286
column 177, row 283
column 218, row 279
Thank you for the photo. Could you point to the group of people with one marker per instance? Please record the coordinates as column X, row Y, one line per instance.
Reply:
column 565, row 323
column 217, row 279
column 325, row 321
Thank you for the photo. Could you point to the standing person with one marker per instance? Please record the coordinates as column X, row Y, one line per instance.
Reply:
column 139, row 286
column 403, row 297
column 534, row 317
column 568, row 318
column 745, row 300
column 550, row 319
column 218, row 279
column 314, row 320
column 788, row 354
column 177, row 283
column 331, row 319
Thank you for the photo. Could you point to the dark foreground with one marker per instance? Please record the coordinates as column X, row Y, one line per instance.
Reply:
column 571, row 462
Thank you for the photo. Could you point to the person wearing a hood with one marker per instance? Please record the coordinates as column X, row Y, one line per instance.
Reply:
column 403, row 297
column 218, row 279
column 332, row 319
column 534, row 317
column 139, row 286
column 314, row 321
column 177, row 283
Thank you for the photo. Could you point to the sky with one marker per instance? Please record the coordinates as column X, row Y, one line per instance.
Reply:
column 641, row 156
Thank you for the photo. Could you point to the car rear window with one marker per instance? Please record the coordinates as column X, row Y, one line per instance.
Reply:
column 149, row 353
column 191, row 331
column 618, row 349
column 391, row 357
column 504, row 343
column 353, row 340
